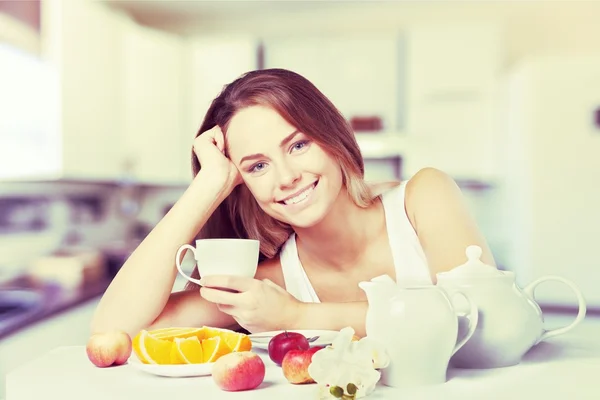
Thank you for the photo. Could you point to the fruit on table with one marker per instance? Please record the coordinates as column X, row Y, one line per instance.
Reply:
column 187, row 351
column 295, row 365
column 238, row 371
column 234, row 340
column 214, row 348
column 188, row 345
column 285, row 341
column 108, row 348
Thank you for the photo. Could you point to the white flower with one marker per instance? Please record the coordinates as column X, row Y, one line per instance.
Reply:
column 346, row 361
column 379, row 355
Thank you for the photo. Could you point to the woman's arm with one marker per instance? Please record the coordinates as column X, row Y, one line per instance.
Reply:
column 333, row 316
column 267, row 306
column 142, row 287
column 188, row 309
column 442, row 220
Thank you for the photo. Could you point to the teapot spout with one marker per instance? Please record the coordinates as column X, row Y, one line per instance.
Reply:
column 379, row 288
column 368, row 288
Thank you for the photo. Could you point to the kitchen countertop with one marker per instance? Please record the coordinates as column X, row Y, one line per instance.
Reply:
column 55, row 299
column 566, row 366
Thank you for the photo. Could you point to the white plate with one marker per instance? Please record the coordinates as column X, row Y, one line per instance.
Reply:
column 173, row 371
column 261, row 339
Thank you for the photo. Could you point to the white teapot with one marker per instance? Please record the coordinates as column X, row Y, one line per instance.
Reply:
column 418, row 327
column 510, row 321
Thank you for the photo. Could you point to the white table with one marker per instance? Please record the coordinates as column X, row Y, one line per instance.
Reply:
column 566, row 367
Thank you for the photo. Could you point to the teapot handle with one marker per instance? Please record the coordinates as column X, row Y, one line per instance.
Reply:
column 473, row 318
column 530, row 291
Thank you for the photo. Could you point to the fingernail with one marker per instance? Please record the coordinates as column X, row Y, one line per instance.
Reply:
column 202, row 281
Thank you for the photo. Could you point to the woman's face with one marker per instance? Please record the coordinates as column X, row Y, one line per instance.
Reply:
column 291, row 177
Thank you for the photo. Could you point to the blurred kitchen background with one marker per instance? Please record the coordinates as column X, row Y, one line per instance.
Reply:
column 100, row 101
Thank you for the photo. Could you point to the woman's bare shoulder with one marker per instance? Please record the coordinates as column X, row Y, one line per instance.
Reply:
column 426, row 183
column 427, row 186
column 441, row 217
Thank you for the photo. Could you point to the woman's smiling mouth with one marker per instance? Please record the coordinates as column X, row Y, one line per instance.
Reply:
column 299, row 197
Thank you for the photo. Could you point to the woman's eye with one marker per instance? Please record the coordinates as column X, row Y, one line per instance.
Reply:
column 257, row 167
column 300, row 145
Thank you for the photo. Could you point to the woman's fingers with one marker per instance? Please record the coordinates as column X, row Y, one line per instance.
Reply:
column 219, row 139
column 222, row 297
column 215, row 136
column 231, row 282
column 226, row 308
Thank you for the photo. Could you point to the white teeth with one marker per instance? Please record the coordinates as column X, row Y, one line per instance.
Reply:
column 300, row 197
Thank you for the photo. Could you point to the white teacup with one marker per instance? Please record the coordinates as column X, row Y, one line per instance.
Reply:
column 222, row 257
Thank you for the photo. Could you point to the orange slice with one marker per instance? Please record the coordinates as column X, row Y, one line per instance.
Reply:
column 151, row 350
column 175, row 357
column 237, row 341
column 189, row 350
column 213, row 348
column 136, row 347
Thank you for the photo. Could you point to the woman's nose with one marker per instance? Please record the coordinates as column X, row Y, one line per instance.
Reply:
column 288, row 174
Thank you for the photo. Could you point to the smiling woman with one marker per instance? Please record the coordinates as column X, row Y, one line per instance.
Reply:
column 275, row 161
column 279, row 130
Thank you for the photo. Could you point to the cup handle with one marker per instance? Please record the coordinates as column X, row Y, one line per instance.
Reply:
column 178, row 262
column 530, row 291
column 473, row 318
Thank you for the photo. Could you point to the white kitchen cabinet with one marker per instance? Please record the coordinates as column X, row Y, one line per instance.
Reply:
column 213, row 62
column 81, row 41
column 451, row 95
column 360, row 74
column 70, row 328
column 553, row 169
column 153, row 103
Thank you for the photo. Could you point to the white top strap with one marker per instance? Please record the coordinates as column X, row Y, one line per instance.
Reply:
column 409, row 258
column 296, row 280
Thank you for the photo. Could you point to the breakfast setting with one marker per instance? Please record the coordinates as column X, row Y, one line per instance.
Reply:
column 451, row 340
column 299, row 200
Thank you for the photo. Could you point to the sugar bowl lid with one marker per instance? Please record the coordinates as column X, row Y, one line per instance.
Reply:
column 473, row 268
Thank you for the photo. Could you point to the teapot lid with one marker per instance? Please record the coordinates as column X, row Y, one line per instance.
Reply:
column 474, row 267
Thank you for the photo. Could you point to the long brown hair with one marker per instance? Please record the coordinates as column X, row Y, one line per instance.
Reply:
column 303, row 106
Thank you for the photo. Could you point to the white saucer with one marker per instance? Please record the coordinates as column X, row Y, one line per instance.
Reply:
column 261, row 339
column 173, row 371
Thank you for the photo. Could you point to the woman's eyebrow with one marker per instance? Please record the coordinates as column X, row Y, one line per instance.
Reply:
column 283, row 143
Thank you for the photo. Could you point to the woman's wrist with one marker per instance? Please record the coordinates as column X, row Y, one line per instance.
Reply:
column 208, row 183
column 295, row 318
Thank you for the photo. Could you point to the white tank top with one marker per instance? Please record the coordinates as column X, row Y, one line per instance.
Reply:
column 410, row 262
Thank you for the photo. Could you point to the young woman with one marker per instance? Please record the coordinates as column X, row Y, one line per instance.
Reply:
column 274, row 160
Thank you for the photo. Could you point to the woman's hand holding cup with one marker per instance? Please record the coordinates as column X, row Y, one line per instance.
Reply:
column 256, row 305
column 227, row 268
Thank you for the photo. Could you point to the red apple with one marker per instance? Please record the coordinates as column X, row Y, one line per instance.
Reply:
column 281, row 343
column 295, row 365
column 109, row 348
column 237, row 371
